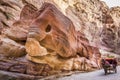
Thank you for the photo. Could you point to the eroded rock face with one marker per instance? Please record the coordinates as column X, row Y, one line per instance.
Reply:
column 110, row 31
column 86, row 16
column 54, row 31
column 14, row 38
column 114, row 12
column 49, row 37
column 52, row 39
column 25, row 67
column 19, row 28
column 17, row 33
column 10, row 48
column 34, row 48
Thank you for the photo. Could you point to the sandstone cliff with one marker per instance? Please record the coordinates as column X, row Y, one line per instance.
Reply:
column 86, row 15
column 64, row 34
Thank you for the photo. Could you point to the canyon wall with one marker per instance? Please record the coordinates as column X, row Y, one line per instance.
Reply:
column 64, row 34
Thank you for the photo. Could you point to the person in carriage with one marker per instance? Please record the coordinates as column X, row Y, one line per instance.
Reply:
column 109, row 64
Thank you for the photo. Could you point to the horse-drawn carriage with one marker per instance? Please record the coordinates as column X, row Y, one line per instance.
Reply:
column 109, row 64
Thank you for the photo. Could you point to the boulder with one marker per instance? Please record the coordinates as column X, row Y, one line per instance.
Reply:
column 54, row 31
column 52, row 39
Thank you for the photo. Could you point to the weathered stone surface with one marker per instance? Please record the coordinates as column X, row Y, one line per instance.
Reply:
column 5, row 65
column 52, row 39
column 12, row 45
column 38, row 69
column 54, row 31
column 19, row 68
column 19, row 29
column 62, row 42
column 10, row 48
column 88, row 20
column 84, row 49
column 27, row 12
column 110, row 32
column 34, row 49
column 55, row 61
column 34, row 69
column 81, row 63
column 16, row 33
column 25, row 67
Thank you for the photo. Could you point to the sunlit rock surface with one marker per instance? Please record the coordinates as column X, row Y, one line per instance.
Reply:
column 59, row 35
column 10, row 48
column 52, row 39
column 111, row 29
column 87, row 20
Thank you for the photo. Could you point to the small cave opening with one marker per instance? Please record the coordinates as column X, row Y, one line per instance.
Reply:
column 48, row 29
